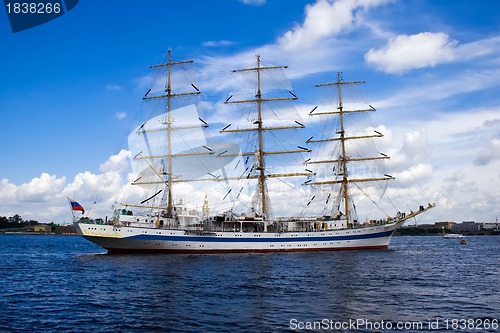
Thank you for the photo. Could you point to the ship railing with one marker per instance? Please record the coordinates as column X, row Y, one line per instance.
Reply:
column 149, row 225
column 98, row 221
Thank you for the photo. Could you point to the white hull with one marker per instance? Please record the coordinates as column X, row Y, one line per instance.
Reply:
column 135, row 239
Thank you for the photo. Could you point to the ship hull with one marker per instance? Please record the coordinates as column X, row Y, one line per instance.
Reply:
column 153, row 240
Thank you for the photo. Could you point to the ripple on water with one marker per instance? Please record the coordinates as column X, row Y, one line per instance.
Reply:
column 67, row 284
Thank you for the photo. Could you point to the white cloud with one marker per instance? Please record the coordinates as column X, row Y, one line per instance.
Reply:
column 309, row 47
column 324, row 19
column 418, row 173
column 446, row 174
column 120, row 115
column 435, row 88
column 113, row 87
column 489, row 154
column 34, row 199
column 491, row 122
column 406, row 52
column 403, row 53
column 7, row 191
column 40, row 188
column 457, row 176
column 217, row 43
column 118, row 162
column 253, row 2
column 479, row 48
column 143, row 83
column 416, row 149
column 44, row 198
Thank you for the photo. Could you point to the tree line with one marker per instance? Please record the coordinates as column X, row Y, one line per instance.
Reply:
column 15, row 222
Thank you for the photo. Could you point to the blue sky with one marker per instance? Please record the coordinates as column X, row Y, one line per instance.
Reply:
column 70, row 89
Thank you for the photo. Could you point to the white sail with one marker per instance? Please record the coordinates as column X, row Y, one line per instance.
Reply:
column 267, row 126
column 347, row 162
column 193, row 156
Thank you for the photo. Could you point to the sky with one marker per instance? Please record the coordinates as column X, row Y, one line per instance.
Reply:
column 71, row 89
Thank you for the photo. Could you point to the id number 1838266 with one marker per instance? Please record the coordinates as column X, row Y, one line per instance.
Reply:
column 33, row 8
column 472, row 324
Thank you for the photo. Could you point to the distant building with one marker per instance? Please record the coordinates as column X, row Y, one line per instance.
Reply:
column 65, row 230
column 468, row 226
column 491, row 226
column 42, row 228
column 447, row 225
column 426, row 226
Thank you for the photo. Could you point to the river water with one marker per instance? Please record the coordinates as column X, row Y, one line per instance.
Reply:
column 421, row 284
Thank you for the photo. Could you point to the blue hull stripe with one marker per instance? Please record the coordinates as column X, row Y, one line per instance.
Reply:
column 215, row 239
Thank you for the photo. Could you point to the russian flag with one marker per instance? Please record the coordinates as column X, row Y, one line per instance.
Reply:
column 76, row 206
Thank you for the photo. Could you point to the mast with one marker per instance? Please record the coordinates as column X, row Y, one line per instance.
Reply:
column 169, row 138
column 169, row 124
column 262, row 175
column 261, row 153
column 344, row 159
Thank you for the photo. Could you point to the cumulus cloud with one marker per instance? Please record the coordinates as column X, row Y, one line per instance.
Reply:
column 118, row 162
column 34, row 199
column 40, row 188
column 324, row 19
column 43, row 198
column 414, row 174
column 406, row 52
column 7, row 191
column 416, row 149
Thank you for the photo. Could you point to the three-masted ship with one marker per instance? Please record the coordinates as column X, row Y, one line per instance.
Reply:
column 171, row 227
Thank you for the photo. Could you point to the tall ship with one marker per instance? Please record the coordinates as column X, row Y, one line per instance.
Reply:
column 259, row 187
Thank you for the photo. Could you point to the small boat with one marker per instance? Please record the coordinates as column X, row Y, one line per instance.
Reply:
column 453, row 236
column 463, row 242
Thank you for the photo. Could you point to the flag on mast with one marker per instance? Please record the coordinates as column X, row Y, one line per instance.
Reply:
column 76, row 206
